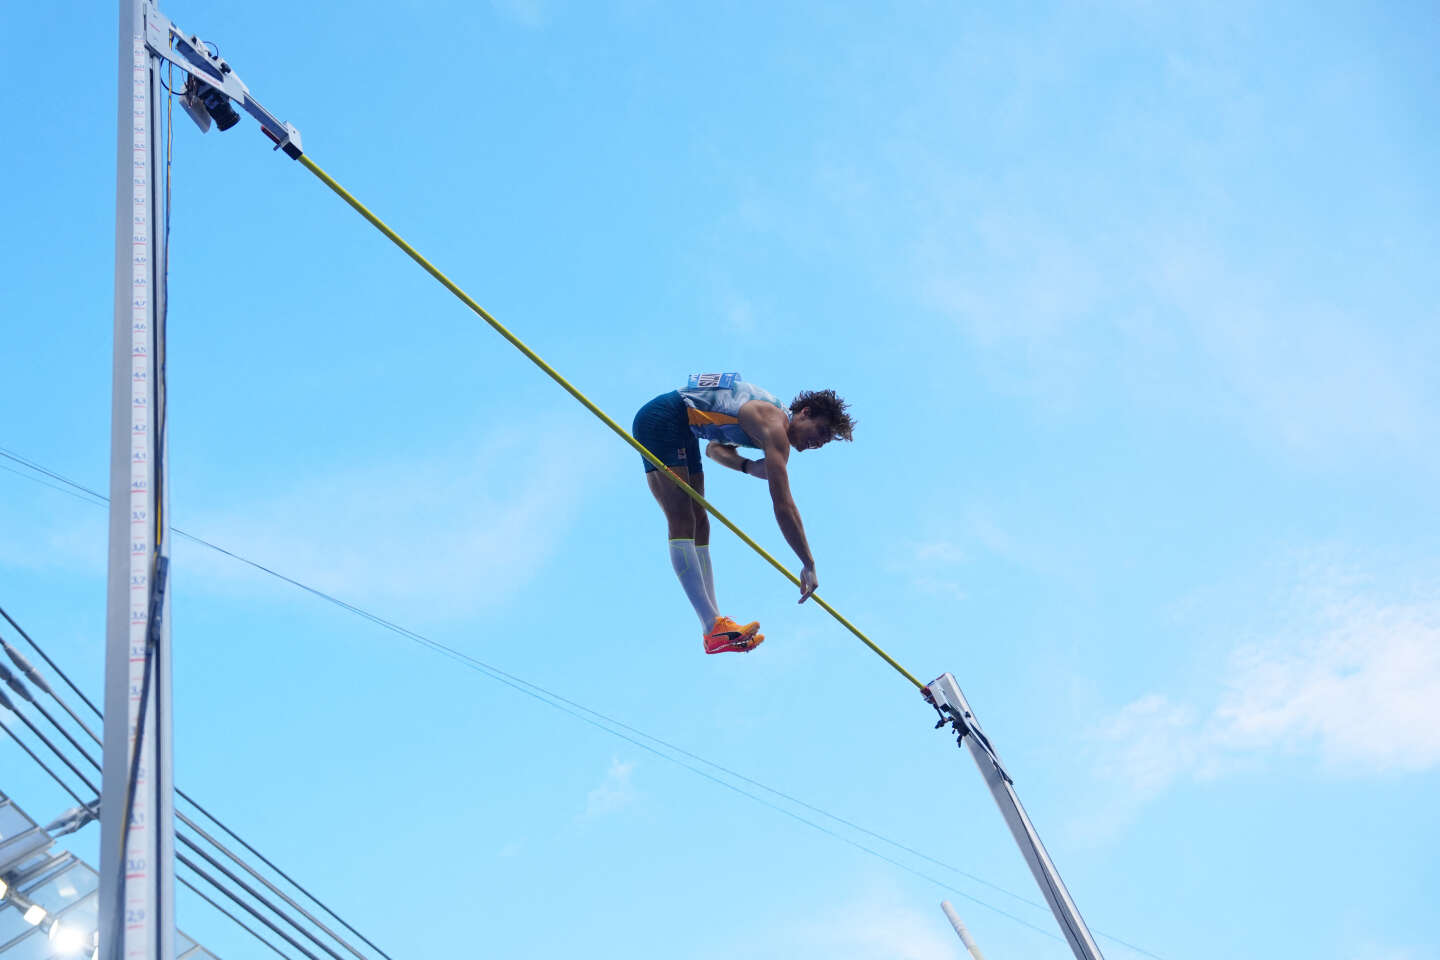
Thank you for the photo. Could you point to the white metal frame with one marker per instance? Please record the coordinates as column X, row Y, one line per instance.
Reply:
column 137, row 898
column 954, row 709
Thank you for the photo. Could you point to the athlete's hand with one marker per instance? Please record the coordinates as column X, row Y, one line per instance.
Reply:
column 808, row 583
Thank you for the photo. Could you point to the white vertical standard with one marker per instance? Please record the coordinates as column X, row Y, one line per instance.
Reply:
column 136, row 857
column 945, row 695
column 960, row 930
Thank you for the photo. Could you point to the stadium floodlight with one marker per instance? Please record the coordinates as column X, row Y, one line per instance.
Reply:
column 4, row 889
column 34, row 914
column 66, row 940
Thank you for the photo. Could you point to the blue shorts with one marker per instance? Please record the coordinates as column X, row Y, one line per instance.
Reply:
column 663, row 427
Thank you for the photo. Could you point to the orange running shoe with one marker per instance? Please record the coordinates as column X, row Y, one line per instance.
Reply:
column 727, row 636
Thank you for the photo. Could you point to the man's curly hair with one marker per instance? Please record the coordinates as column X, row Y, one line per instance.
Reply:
column 827, row 405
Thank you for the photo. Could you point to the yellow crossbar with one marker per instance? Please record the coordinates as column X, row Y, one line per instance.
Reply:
column 554, row 374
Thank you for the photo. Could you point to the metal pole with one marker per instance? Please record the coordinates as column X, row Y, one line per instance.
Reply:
column 959, row 926
column 137, row 918
column 945, row 694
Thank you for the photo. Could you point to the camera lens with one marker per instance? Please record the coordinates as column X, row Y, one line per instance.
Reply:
column 218, row 104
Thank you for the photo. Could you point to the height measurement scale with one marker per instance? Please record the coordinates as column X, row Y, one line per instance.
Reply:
column 138, row 855
column 137, row 897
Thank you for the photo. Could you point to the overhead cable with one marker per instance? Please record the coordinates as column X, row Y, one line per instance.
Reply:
column 37, row 678
column 43, row 766
column 34, row 646
column 254, row 893
column 243, row 905
column 564, row 704
column 10, row 680
column 273, row 889
column 233, row 919
column 6, row 704
column 556, row 701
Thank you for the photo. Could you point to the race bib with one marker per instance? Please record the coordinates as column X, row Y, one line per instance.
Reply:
column 712, row 381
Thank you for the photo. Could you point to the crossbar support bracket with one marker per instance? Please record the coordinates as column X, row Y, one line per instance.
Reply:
column 190, row 54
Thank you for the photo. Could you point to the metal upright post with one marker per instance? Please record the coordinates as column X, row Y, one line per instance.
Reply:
column 137, row 916
column 960, row 930
column 945, row 695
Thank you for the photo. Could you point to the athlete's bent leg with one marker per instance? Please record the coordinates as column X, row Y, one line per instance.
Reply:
column 676, row 503
column 681, row 523
column 722, row 635
column 702, row 538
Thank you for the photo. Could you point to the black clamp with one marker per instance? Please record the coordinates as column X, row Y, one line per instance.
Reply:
column 963, row 723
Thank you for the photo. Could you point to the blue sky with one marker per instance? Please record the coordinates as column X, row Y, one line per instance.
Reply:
column 1135, row 305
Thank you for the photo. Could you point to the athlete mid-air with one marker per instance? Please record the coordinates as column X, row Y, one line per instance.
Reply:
column 731, row 413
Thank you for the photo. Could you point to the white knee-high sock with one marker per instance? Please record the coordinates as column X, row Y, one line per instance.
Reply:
column 687, row 567
column 707, row 572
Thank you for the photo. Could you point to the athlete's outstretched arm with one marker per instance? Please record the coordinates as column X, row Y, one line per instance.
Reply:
column 777, row 453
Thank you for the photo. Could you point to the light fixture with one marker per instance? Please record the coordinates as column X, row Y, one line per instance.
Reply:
column 34, row 915
column 67, row 940
column 4, row 889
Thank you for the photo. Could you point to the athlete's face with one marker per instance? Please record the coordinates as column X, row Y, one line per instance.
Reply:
column 808, row 432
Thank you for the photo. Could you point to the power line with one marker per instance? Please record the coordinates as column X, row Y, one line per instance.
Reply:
column 273, row 889
column 43, row 766
column 66, row 787
column 510, row 679
column 39, row 681
column 234, row 919
column 594, row 717
column 44, row 656
column 254, row 893
column 243, row 905
column 341, row 920
column 4, row 702
column 38, row 734
column 180, row 836
column 540, row 694
column 34, row 677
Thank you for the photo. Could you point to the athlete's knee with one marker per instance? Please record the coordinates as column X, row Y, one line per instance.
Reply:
column 682, row 526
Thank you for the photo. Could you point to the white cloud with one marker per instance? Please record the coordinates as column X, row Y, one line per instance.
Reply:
column 938, row 552
column 1350, row 681
column 456, row 531
column 615, row 792
column 1077, row 286
column 1312, row 375
column 1361, row 690
column 930, row 565
column 49, row 530
column 1153, row 742
column 1022, row 293
column 1163, row 310
column 527, row 13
